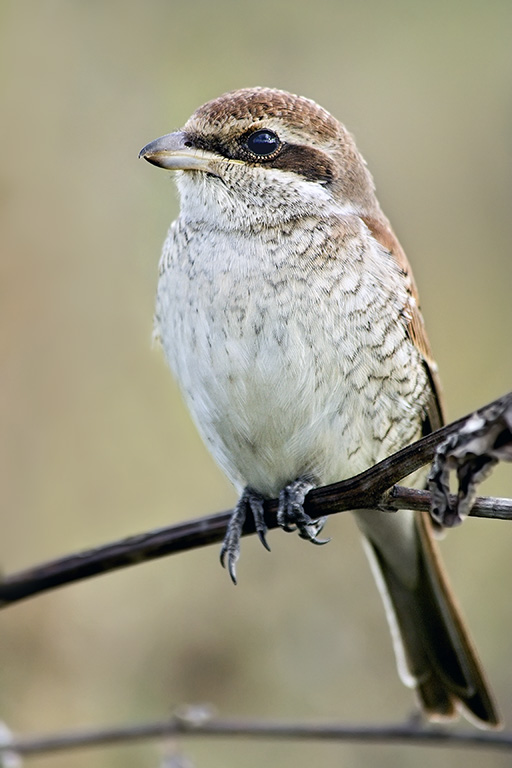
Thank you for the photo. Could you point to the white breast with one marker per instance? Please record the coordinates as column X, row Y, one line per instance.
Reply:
column 290, row 351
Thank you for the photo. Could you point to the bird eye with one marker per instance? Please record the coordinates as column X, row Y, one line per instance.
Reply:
column 263, row 143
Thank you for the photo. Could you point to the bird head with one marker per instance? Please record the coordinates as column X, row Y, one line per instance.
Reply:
column 264, row 156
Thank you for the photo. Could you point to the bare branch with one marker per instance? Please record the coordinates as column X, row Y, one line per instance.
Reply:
column 368, row 490
column 183, row 725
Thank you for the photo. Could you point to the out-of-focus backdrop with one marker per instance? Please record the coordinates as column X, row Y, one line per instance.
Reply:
column 95, row 441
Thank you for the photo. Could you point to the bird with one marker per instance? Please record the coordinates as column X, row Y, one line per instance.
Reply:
column 288, row 312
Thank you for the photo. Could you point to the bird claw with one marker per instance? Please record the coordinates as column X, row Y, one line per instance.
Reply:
column 230, row 551
column 291, row 515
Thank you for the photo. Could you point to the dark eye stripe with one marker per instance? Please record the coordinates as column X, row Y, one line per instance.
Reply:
column 309, row 162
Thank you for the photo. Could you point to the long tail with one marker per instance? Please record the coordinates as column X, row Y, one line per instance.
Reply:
column 434, row 652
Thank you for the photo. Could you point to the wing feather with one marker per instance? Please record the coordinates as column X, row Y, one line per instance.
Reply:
column 382, row 232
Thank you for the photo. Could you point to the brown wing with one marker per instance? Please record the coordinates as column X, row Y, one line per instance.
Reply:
column 382, row 232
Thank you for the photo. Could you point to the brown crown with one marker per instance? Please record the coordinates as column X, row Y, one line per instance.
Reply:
column 259, row 104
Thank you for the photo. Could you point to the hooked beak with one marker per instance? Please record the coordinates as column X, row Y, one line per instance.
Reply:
column 176, row 152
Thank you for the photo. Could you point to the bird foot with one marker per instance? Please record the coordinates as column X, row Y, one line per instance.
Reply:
column 252, row 502
column 291, row 515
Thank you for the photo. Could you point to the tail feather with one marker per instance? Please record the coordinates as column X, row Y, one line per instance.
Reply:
column 434, row 652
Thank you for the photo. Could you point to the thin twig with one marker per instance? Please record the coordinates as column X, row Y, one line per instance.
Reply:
column 407, row 733
column 372, row 489
column 488, row 507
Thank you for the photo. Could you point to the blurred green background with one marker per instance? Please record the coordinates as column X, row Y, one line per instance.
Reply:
column 95, row 441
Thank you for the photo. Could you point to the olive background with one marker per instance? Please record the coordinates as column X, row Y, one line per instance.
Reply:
column 95, row 442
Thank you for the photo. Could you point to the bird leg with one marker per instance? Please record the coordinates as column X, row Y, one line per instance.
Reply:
column 249, row 501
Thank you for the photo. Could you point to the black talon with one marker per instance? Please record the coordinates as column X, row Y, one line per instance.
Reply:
column 312, row 537
column 232, row 569
column 261, row 536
